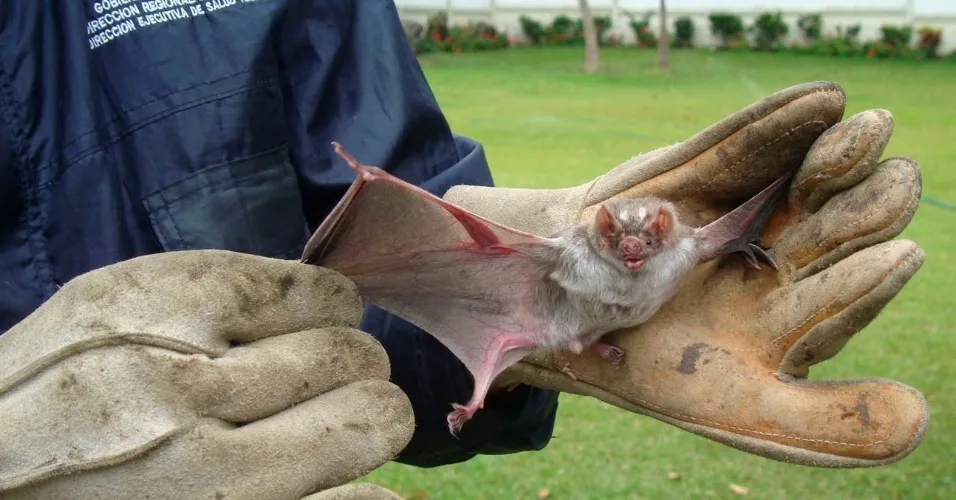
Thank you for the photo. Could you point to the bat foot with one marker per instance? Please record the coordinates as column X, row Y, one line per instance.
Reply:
column 611, row 353
column 458, row 416
column 752, row 251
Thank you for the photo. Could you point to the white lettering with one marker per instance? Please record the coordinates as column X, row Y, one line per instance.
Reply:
column 156, row 5
column 162, row 17
column 105, row 5
column 111, row 17
column 112, row 33
column 115, row 18
column 219, row 4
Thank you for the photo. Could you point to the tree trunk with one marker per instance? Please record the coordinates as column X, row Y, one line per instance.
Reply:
column 664, row 44
column 591, row 57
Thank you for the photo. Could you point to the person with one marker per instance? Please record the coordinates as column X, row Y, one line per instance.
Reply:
column 171, row 138
column 163, row 164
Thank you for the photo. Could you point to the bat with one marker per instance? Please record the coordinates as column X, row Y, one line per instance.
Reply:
column 493, row 294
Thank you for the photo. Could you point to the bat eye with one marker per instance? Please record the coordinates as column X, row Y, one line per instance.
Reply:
column 648, row 242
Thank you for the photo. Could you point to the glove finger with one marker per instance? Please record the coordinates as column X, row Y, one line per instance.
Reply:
column 264, row 377
column 191, row 302
column 327, row 441
column 812, row 319
column 734, row 158
column 873, row 211
column 324, row 442
column 230, row 297
column 718, row 395
column 126, row 398
column 841, row 157
column 859, row 423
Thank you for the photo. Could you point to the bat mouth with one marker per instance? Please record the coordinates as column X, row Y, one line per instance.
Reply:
column 633, row 263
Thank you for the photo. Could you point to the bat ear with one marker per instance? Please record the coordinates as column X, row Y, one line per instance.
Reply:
column 663, row 223
column 605, row 223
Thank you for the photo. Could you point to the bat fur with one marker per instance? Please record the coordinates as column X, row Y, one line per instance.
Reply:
column 493, row 294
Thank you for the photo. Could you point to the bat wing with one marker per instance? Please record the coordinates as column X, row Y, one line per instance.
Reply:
column 469, row 282
column 738, row 229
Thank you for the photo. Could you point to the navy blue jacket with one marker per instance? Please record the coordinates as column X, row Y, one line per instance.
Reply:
column 132, row 127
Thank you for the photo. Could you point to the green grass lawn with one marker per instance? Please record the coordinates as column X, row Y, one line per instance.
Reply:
column 545, row 124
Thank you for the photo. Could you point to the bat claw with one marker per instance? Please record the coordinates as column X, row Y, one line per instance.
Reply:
column 755, row 248
column 736, row 230
column 458, row 416
column 752, row 251
column 752, row 260
column 611, row 353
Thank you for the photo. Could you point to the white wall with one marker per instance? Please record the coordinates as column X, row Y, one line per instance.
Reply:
column 871, row 14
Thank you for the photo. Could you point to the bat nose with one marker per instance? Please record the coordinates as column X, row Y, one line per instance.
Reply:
column 631, row 245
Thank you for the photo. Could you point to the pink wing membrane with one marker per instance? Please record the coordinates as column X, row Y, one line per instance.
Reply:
column 415, row 255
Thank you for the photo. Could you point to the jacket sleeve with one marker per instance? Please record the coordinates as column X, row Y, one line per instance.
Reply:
column 349, row 75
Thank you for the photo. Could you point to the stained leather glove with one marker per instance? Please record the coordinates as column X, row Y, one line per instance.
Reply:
column 728, row 358
column 200, row 374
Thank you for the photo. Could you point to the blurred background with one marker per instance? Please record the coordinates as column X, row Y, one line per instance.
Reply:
column 519, row 77
column 870, row 15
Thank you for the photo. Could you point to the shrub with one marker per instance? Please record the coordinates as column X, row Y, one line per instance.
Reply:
column 844, row 44
column 929, row 39
column 438, row 24
column 564, row 31
column 770, row 29
column 425, row 45
column 811, row 25
column 642, row 31
column 896, row 36
column 852, row 33
column 683, row 32
column 561, row 30
column 729, row 28
column 613, row 40
column 883, row 50
column 436, row 32
column 471, row 37
column 602, row 23
column 532, row 30
column 895, row 42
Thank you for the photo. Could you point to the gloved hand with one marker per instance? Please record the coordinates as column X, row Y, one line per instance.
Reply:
column 728, row 357
column 200, row 374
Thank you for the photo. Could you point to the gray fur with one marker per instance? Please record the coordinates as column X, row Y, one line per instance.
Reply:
column 591, row 292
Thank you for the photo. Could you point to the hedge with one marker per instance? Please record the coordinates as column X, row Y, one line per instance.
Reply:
column 766, row 34
column 471, row 37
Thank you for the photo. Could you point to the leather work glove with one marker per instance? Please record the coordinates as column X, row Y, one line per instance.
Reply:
column 728, row 357
column 198, row 374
